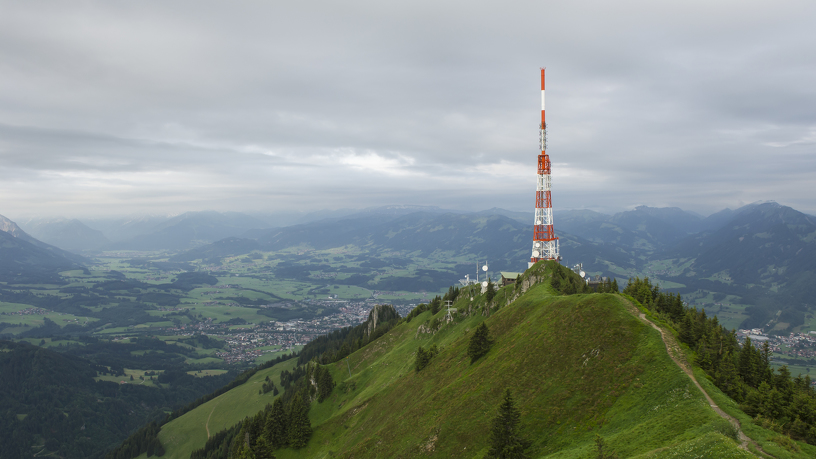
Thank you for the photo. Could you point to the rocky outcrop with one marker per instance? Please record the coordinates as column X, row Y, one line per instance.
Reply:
column 379, row 314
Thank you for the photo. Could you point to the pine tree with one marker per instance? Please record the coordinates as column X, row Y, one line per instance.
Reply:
column 421, row 359
column 240, row 444
column 479, row 343
column 300, row 428
column 506, row 441
column 603, row 449
column 276, row 428
column 158, row 448
column 687, row 331
column 491, row 291
column 436, row 305
column 263, row 450
column 325, row 385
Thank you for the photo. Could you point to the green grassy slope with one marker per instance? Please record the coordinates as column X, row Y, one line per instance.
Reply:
column 187, row 433
column 577, row 365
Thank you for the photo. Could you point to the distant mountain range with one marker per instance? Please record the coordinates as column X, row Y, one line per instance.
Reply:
column 764, row 253
column 72, row 235
column 24, row 259
column 147, row 233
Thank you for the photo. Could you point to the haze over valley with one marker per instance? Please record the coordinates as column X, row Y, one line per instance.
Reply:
column 255, row 230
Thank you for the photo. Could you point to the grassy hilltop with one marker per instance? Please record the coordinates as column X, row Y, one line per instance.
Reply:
column 578, row 366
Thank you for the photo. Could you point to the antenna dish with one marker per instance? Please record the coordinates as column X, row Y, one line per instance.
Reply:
column 538, row 244
column 582, row 274
column 538, row 222
column 535, row 253
column 484, row 284
column 484, row 268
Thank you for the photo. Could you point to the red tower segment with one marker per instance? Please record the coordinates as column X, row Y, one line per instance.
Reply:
column 545, row 244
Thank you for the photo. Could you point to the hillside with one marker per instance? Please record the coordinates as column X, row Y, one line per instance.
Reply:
column 57, row 404
column 191, row 229
column 765, row 256
column 24, row 259
column 66, row 234
column 578, row 366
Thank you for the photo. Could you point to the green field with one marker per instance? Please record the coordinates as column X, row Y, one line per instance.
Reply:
column 27, row 321
column 139, row 378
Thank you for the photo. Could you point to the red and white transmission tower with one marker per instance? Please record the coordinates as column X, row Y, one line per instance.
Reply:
column 545, row 244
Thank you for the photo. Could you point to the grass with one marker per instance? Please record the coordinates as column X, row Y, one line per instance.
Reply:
column 578, row 366
column 183, row 435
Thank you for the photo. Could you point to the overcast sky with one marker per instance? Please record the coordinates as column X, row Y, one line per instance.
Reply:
column 122, row 107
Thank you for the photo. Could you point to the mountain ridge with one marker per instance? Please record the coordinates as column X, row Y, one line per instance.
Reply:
column 610, row 377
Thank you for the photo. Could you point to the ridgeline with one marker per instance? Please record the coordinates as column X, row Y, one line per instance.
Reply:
column 587, row 371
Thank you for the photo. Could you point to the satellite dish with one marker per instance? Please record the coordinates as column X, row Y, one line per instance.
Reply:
column 582, row 274
column 484, row 268
column 535, row 253
column 538, row 222
column 484, row 284
column 538, row 244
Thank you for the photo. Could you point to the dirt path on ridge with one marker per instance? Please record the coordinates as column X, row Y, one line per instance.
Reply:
column 676, row 354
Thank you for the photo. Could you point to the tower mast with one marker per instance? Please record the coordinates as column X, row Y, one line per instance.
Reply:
column 545, row 244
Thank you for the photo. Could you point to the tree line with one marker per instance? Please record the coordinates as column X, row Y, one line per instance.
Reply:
column 775, row 399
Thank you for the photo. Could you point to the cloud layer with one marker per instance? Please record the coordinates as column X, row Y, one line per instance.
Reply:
column 122, row 107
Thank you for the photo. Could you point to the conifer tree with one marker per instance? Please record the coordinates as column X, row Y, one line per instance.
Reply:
column 276, row 429
column 263, row 450
column 603, row 450
column 421, row 359
column 506, row 441
column 687, row 331
column 491, row 291
column 240, row 444
column 479, row 343
column 436, row 305
column 325, row 385
column 300, row 428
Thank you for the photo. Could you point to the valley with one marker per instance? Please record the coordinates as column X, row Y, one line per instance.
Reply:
column 180, row 315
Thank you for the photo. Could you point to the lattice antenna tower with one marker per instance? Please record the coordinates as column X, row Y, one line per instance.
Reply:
column 451, row 311
column 545, row 244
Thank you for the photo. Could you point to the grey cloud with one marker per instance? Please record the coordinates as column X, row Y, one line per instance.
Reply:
column 271, row 105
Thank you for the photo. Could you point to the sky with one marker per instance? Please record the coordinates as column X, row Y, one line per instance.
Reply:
column 119, row 107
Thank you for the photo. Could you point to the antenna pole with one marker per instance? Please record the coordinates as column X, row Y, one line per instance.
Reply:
column 545, row 244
